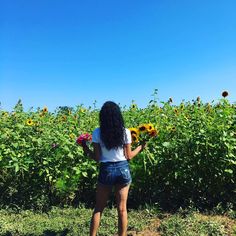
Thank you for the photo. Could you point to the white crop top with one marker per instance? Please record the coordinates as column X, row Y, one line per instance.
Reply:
column 113, row 154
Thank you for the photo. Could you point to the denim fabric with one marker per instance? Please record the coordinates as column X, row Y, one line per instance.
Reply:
column 112, row 173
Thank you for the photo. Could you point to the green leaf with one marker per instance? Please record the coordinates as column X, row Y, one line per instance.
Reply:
column 45, row 162
column 20, row 126
column 85, row 174
column 16, row 167
column 66, row 148
column 230, row 171
column 166, row 144
column 70, row 155
column 232, row 162
column 15, row 145
column 77, row 170
column 60, row 184
column 3, row 136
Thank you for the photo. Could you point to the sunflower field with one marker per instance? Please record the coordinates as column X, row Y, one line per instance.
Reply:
column 190, row 156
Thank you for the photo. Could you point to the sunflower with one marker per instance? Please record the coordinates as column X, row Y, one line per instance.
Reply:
column 181, row 105
column 143, row 128
column 82, row 110
column 225, row 94
column 134, row 106
column 170, row 100
column 134, row 138
column 176, row 111
column 29, row 122
column 208, row 108
column 45, row 110
column 5, row 113
column 63, row 118
column 72, row 136
column 149, row 127
column 153, row 133
column 134, row 131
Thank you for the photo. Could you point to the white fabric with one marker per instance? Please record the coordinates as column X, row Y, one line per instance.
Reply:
column 113, row 154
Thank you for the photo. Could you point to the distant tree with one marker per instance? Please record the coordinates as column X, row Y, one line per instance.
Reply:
column 19, row 106
column 64, row 109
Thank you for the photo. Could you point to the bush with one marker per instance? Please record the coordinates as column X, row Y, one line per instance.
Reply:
column 192, row 161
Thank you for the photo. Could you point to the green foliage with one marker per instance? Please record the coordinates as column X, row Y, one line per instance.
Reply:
column 194, row 224
column 193, row 159
column 67, row 221
column 75, row 221
column 39, row 156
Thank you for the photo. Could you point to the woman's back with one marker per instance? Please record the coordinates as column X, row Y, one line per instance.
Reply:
column 113, row 154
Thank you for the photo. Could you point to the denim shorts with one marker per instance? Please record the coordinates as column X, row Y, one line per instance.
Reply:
column 112, row 173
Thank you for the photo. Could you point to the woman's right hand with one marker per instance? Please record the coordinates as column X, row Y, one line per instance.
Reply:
column 129, row 153
column 143, row 145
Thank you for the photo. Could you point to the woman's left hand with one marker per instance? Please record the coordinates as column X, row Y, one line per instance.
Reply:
column 84, row 144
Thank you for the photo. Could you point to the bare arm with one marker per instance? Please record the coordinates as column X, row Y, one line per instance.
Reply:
column 129, row 153
column 95, row 154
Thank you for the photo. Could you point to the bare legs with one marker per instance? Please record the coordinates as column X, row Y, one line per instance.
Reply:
column 102, row 196
column 121, row 192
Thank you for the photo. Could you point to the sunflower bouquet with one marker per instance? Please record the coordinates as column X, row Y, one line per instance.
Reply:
column 84, row 138
column 143, row 133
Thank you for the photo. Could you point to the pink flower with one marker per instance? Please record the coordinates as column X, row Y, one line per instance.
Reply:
column 55, row 145
column 83, row 137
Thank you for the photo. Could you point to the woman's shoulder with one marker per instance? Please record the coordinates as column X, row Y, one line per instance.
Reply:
column 128, row 138
column 96, row 135
column 127, row 130
column 96, row 130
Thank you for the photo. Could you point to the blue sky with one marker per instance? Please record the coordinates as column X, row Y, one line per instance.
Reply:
column 66, row 53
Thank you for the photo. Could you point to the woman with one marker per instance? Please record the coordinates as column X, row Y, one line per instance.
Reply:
column 112, row 149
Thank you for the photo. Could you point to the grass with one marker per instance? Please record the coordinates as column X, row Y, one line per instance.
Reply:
column 75, row 221
column 67, row 221
column 196, row 224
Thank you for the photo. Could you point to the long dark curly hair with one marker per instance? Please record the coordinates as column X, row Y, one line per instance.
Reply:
column 111, row 125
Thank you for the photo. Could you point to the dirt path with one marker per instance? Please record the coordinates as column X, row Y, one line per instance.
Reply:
column 151, row 230
column 228, row 224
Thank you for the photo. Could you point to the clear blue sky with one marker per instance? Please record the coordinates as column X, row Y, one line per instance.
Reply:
column 69, row 52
